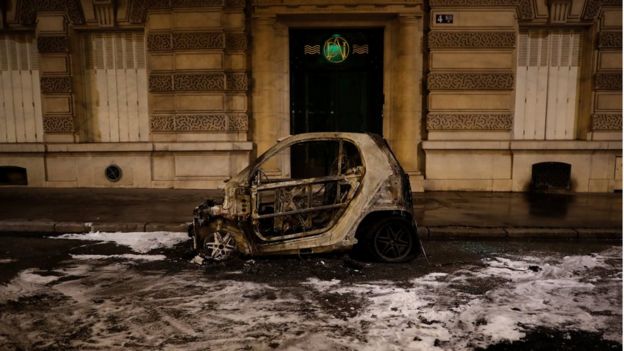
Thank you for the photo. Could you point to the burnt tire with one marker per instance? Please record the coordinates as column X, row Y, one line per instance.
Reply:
column 391, row 239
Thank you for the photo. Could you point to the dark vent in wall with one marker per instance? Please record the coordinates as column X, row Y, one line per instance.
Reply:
column 551, row 176
column 13, row 175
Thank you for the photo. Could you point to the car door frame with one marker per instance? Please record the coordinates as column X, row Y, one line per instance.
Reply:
column 353, row 180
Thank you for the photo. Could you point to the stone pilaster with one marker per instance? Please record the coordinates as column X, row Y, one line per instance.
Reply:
column 406, row 135
column 266, row 124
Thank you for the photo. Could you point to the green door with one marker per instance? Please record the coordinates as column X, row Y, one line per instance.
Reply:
column 336, row 80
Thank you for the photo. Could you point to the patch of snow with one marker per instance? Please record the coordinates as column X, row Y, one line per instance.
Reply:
column 28, row 282
column 7, row 260
column 437, row 311
column 515, row 297
column 140, row 242
column 122, row 256
column 198, row 260
column 321, row 284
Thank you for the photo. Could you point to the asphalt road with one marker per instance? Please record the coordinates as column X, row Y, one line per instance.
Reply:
column 72, row 294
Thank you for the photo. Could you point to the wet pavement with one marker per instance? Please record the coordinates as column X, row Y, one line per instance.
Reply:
column 439, row 214
column 63, row 294
column 481, row 209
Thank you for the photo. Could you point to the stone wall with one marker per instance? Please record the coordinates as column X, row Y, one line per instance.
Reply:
column 195, row 67
column 450, row 87
column 472, row 78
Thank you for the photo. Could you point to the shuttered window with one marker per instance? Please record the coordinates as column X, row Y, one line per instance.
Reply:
column 20, row 96
column 547, row 85
column 117, row 89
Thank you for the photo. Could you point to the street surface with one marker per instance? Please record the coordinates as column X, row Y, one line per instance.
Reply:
column 140, row 291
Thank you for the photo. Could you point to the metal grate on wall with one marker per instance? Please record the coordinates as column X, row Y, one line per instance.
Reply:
column 20, row 94
column 115, row 64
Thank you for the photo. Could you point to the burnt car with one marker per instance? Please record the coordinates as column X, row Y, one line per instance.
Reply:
column 313, row 193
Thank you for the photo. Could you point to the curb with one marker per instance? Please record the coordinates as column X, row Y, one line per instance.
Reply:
column 425, row 232
column 510, row 233
column 45, row 227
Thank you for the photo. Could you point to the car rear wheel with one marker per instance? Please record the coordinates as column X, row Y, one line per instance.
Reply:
column 392, row 239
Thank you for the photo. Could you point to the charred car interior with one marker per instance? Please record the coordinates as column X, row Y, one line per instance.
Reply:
column 315, row 192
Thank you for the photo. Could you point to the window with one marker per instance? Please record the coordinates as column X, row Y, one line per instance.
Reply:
column 117, row 86
column 546, row 85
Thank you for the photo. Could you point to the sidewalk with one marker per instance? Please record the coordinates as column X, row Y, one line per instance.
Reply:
column 440, row 215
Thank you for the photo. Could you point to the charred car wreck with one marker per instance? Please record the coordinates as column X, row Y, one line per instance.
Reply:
column 312, row 193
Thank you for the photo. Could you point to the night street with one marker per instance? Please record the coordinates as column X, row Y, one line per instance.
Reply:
column 140, row 291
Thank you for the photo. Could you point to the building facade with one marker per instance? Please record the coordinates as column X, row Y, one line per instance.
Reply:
column 470, row 94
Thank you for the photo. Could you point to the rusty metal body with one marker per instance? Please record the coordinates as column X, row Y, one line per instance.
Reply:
column 265, row 214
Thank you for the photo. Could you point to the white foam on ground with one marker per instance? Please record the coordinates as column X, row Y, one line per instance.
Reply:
column 558, row 295
column 322, row 284
column 193, row 311
column 28, row 282
column 140, row 242
column 122, row 256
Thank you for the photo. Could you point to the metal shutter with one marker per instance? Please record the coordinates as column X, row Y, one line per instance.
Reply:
column 115, row 63
column 546, row 85
column 20, row 95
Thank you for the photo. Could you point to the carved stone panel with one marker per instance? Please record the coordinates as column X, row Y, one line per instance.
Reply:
column 523, row 7
column 56, row 85
column 199, row 81
column 238, row 122
column 50, row 5
column 74, row 11
column 58, row 124
column 482, row 81
column 237, row 80
column 26, row 12
column 206, row 122
column 472, row 40
column 185, row 41
column 592, row 7
column 196, row 3
column 610, row 40
column 52, row 44
column 159, row 42
column 198, row 40
column 137, row 11
column 608, row 81
column 160, row 83
column 235, row 41
column 469, row 121
column 187, row 82
column 607, row 121
column 235, row 3
column 162, row 123
column 172, row 4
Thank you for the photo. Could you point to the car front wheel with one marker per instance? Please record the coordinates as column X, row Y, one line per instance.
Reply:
column 392, row 239
column 218, row 246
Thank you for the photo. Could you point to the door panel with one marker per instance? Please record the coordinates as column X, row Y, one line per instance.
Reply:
column 346, row 96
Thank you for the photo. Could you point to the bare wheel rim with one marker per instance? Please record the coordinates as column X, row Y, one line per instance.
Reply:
column 219, row 246
column 393, row 241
